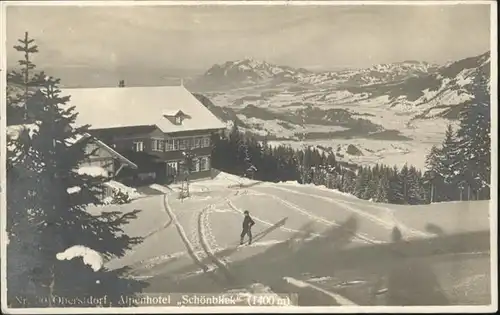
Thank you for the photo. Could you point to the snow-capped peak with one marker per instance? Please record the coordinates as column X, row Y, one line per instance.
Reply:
column 249, row 71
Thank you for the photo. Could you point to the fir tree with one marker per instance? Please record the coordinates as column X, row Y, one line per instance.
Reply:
column 306, row 165
column 415, row 193
column 44, row 217
column 396, row 187
column 473, row 162
column 447, row 167
column 371, row 184
column 433, row 178
column 382, row 192
column 349, row 182
column 362, row 183
column 404, row 177
column 27, row 80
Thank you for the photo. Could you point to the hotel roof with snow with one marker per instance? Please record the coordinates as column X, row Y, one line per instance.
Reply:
column 113, row 107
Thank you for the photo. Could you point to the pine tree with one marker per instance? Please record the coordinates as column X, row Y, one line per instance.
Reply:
column 404, row 177
column 362, row 182
column 415, row 193
column 433, row 179
column 26, row 79
column 349, row 182
column 44, row 217
column 396, row 187
column 244, row 152
column 448, row 168
column 473, row 162
column 233, row 155
column 306, row 165
column 382, row 192
column 371, row 184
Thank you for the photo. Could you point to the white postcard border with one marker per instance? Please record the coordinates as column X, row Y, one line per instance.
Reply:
column 232, row 309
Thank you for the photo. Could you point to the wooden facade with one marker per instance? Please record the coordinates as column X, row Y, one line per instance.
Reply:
column 159, row 155
column 103, row 156
column 161, row 123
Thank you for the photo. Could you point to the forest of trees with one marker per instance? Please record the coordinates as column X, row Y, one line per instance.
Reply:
column 459, row 169
column 47, row 201
column 243, row 155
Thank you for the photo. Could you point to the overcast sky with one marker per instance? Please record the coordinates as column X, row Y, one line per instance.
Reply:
column 197, row 37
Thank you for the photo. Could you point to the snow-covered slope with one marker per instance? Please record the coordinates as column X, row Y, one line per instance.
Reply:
column 299, row 231
column 382, row 73
column 226, row 196
column 441, row 93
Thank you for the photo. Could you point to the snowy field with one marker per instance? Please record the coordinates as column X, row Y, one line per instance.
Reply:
column 423, row 132
column 373, row 151
column 302, row 234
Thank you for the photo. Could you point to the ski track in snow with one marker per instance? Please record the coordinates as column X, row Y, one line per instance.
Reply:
column 201, row 233
column 208, row 236
column 389, row 225
column 203, row 239
column 233, row 206
column 396, row 222
column 182, row 234
column 195, row 239
column 165, row 225
column 361, row 236
column 206, row 246
column 193, row 242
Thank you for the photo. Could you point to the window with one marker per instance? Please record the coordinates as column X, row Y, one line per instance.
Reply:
column 178, row 120
column 176, row 144
column 172, row 168
column 147, row 176
column 204, row 163
column 196, row 165
column 157, row 145
column 183, row 143
column 197, row 142
column 206, row 142
column 169, row 145
column 138, row 146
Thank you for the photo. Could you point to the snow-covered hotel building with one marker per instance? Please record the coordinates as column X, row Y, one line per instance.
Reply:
column 150, row 127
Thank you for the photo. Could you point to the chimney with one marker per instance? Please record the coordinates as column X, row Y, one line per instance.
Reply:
column 182, row 82
column 121, row 83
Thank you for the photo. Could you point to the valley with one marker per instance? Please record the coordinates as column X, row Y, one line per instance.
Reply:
column 391, row 113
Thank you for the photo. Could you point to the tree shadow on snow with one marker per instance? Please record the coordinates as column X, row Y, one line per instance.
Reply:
column 277, row 261
column 434, row 229
column 400, row 269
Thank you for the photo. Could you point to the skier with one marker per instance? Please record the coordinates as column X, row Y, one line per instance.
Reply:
column 248, row 222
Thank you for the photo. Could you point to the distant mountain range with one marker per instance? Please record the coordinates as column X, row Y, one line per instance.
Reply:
column 407, row 102
column 249, row 72
column 440, row 93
